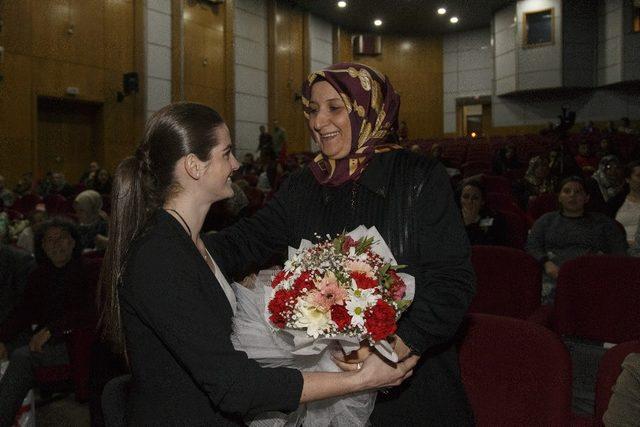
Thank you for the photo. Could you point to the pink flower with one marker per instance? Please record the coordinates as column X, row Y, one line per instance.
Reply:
column 398, row 288
column 327, row 296
column 359, row 266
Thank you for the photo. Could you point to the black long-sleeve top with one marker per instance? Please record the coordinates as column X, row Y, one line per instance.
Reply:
column 410, row 201
column 177, row 323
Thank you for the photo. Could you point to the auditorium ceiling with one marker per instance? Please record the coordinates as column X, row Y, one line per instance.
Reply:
column 405, row 16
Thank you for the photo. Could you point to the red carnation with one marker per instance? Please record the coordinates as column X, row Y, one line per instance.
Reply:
column 302, row 282
column 380, row 320
column 280, row 306
column 340, row 315
column 348, row 243
column 398, row 288
column 364, row 281
column 282, row 275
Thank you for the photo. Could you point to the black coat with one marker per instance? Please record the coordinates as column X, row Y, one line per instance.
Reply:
column 410, row 201
column 177, row 323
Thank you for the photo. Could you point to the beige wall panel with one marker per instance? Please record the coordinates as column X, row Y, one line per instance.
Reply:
column 15, row 97
column 87, row 41
column 49, row 30
column 51, row 78
column 119, row 35
column 15, row 36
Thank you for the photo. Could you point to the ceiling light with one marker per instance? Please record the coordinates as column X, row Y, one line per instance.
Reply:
column 377, row 22
column 342, row 4
column 454, row 20
column 442, row 11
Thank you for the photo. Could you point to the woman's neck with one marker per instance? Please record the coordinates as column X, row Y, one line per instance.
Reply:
column 634, row 196
column 189, row 214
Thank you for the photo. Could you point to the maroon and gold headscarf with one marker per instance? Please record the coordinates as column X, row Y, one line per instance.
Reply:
column 373, row 106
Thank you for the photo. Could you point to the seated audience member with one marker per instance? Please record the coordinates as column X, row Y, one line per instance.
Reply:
column 606, row 187
column 265, row 145
column 7, row 197
column 605, row 148
column 90, row 173
column 403, row 131
column 506, row 160
column 59, row 185
column 100, row 182
column 26, row 236
column 15, row 266
column 537, row 180
column 92, row 222
column 24, row 185
column 624, row 404
column 557, row 237
column 436, row 153
column 45, row 185
column 628, row 214
column 625, row 126
column 587, row 162
column 483, row 226
column 635, row 249
column 248, row 166
column 57, row 299
column 590, row 127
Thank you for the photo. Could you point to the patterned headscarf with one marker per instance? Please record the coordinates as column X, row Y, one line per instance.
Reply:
column 373, row 106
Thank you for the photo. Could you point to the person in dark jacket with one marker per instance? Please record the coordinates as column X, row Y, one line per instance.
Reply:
column 163, row 290
column 483, row 226
column 15, row 266
column 358, row 178
column 58, row 299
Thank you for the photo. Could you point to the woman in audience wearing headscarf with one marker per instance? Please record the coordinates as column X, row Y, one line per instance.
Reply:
column 628, row 213
column 606, row 187
column 92, row 222
column 570, row 232
column 360, row 178
column 537, row 180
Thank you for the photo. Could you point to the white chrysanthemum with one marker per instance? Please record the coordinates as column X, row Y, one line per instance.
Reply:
column 359, row 300
column 308, row 316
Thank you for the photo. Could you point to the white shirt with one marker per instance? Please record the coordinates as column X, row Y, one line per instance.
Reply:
column 628, row 215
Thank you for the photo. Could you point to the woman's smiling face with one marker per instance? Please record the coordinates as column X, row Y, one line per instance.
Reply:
column 329, row 121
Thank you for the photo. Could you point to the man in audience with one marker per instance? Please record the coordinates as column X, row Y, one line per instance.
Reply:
column 60, row 185
column 606, row 186
column 625, row 126
column 90, row 173
column 279, row 139
column 265, row 144
column 570, row 232
column 58, row 299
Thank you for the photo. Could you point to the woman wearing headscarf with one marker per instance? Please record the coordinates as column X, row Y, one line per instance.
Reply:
column 537, row 180
column 91, row 220
column 606, row 187
column 359, row 178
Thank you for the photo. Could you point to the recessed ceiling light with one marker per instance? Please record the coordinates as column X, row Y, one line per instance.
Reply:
column 442, row 11
column 454, row 20
column 342, row 4
column 377, row 22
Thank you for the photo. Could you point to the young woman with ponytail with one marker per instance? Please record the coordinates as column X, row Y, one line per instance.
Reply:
column 165, row 304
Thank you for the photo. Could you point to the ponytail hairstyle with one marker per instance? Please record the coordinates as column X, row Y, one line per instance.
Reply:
column 141, row 184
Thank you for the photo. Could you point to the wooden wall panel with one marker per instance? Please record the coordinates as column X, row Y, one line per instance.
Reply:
column 51, row 78
column 15, row 97
column 87, row 40
column 205, row 57
column 106, row 42
column 414, row 66
column 15, row 36
column 287, row 72
column 118, row 35
column 50, row 30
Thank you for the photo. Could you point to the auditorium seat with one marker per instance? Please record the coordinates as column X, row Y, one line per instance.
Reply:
column 57, row 204
column 517, row 229
column 597, row 298
column 542, row 204
column 516, row 373
column 497, row 184
column 608, row 371
column 508, row 282
column 26, row 203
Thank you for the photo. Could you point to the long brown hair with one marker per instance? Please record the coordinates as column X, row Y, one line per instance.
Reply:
column 141, row 184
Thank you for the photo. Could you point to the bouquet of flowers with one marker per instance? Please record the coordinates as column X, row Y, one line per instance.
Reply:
column 338, row 292
column 339, row 286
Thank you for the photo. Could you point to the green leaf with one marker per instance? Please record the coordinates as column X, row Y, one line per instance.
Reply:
column 403, row 304
column 399, row 267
